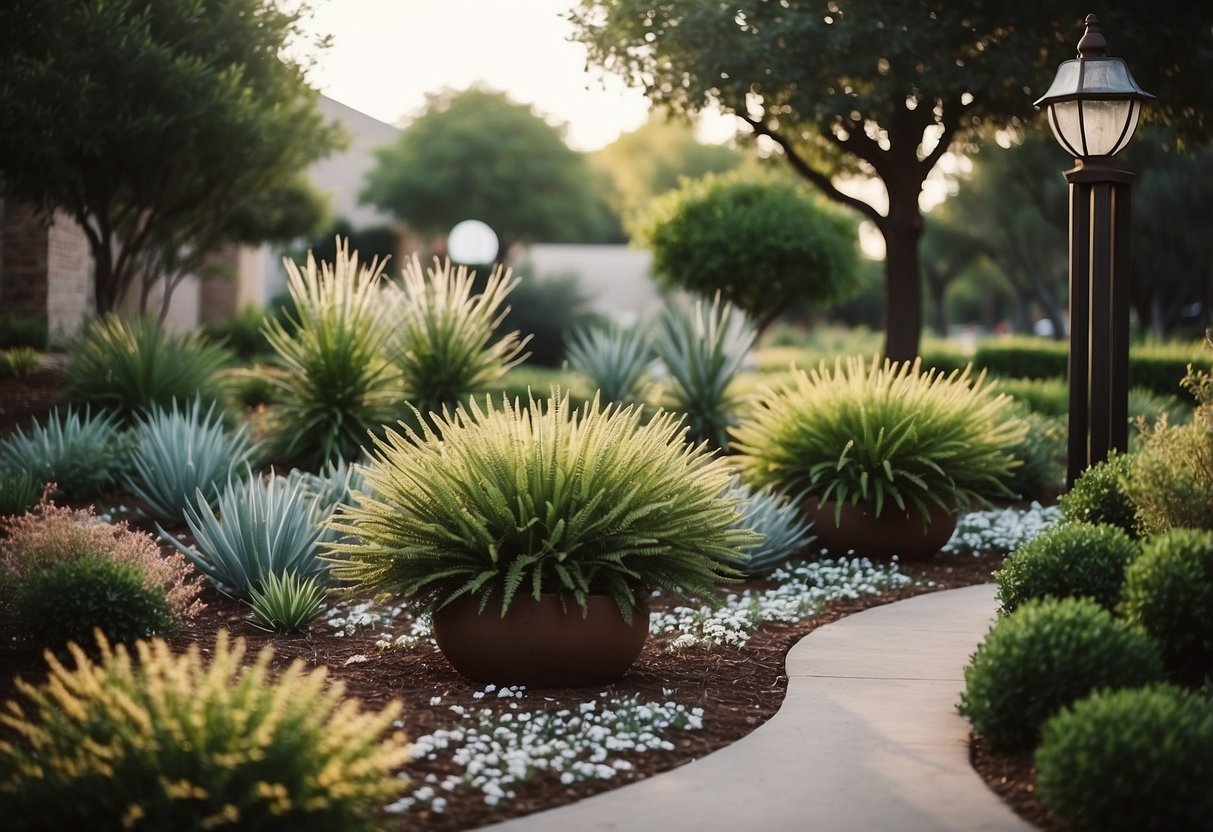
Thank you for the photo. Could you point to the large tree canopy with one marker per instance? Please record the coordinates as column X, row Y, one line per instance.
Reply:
column 156, row 124
column 885, row 87
column 475, row 154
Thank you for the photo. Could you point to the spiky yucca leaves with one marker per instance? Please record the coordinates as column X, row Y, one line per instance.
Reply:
column 164, row 741
column 442, row 333
column 18, row 491
column 703, row 349
column 881, row 432
column 129, row 365
column 83, row 453
column 287, row 604
column 178, row 452
column 541, row 498
column 614, row 358
column 332, row 384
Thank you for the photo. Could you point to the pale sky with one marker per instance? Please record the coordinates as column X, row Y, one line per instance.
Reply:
column 387, row 54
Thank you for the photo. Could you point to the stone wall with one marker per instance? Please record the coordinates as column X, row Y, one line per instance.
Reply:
column 45, row 268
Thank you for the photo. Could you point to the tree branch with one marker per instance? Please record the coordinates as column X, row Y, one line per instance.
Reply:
column 950, row 122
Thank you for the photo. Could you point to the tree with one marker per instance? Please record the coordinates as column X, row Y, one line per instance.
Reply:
column 153, row 123
column 475, row 154
column 884, row 88
column 764, row 245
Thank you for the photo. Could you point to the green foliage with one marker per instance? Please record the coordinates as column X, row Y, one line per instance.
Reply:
column 262, row 527
column 1042, row 455
column 540, row 498
column 614, row 359
column 170, row 742
column 764, row 245
column 521, row 381
column 702, row 350
column 176, row 453
column 1127, row 760
column 1169, row 592
column 18, row 491
column 476, row 153
column 1045, row 655
column 249, row 386
column 22, row 331
column 332, row 384
column 879, row 433
column 1099, row 496
column 374, row 243
column 546, row 308
column 442, row 334
column 287, row 604
column 1170, row 480
column 130, row 365
column 83, row 454
column 19, row 361
column 73, row 597
column 1069, row 560
column 782, row 526
column 242, row 333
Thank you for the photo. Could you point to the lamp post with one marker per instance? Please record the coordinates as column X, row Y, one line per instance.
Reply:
column 1093, row 108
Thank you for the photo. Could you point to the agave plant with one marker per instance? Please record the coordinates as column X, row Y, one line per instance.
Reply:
column 703, row 349
column 442, row 339
column 287, row 603
column 784, row 529
column 263, row 527
column 177, row 453
column 129, row 365
column 332, row 384
column 84, row 454
column 18, row 491
column 614, row 358
column 542, row 499
column 332, row 487
column 881, row 433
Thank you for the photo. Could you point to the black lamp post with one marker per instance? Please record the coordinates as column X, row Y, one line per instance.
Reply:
column 1093, row 108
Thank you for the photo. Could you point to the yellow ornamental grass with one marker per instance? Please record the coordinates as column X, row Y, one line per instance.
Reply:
column 164, row 741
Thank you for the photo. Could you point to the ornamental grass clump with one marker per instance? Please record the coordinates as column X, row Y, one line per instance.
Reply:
column 1070, row 560
column 164, row 741
column 83, row 453
column 881, row 433
column 542, row 499
column 287, row 603
column 332, row 383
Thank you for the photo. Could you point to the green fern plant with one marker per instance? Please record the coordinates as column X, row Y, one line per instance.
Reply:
column 287, row 603
column 881, row 433
column 614, row 359
column 540, row 499
column 83, row 453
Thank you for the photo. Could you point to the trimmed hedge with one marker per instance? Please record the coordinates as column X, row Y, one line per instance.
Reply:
column 1071, row 560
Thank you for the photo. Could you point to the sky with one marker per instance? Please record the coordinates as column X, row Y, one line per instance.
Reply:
column 387, row 54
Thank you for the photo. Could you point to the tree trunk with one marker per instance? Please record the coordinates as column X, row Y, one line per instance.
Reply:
column 903, row 273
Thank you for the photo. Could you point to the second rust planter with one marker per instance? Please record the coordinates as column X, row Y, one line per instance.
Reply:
column 540, row 644
column 894, row 532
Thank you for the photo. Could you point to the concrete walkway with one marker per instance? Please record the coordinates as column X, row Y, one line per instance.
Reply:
column 868, row 738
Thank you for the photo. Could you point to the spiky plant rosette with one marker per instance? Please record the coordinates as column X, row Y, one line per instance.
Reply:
column 542, row 498
column 880, row 433
column 614, row 359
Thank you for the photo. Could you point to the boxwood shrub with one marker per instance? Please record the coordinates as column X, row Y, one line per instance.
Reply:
column 1070, row 560
column 1100, row 495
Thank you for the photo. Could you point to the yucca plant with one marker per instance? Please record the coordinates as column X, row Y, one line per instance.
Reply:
column 263, row 527
column 442, row 333
column 539, row 498
column 287, row 603
column 332, row 383
column 178, row 452
column 83, row 453
column 129, row 365
column 335, row 485
column 783, row 527
column 18, row 491
column 703, row 349
column 614, row 358
column 19, row 361
column 879, row 433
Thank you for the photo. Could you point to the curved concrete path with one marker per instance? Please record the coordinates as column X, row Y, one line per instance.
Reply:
column 868, row 738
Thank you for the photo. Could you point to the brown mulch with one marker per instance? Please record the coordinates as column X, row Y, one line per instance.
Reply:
column 1013, row 778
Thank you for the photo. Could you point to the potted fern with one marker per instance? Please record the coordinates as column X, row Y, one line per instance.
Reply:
column 536, row 533
column 882, row 455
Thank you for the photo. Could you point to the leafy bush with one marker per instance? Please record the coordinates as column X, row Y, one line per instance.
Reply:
column 18, row 491
column 243, row 333
column 1045, row 655
column 1098, row 496
column 1169, row 592
column 129, row 365
column 168, row 742
column 613, row 358
column 22, row 331
column 19, row 361
column 538, row 499
column 67, row 601
column 702, row 350
column 1170, row 481
column 332, row 384
column 783, row 528
column 879, row 433
column 287, row 604
column 82, row 453
column 177, row 453
column 1046, row 396
column 1041, row 474
column 547, row 308
column 1130, row 760
column 263, row 527
column 1069, row 560
column 443, row 333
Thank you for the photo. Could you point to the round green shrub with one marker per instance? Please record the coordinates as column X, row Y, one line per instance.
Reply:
column 1169, row 591
column 68, row 600
column 1100, row 496
column 1042, row 657
column 165, row 741
column 1069, row 560
column 1130, row 760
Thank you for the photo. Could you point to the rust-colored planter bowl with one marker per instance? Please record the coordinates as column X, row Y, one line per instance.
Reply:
column 540, row 644
column 894, row 532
